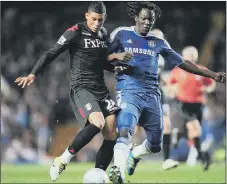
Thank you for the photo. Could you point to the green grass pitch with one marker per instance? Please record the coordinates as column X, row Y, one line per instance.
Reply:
column 146, row 172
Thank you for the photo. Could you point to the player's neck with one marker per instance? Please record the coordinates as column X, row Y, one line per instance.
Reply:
column 139, row 33
column 90, row 29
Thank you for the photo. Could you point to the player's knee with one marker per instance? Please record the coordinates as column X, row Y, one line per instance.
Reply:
column 192, row 125
column 198, row 128
column 156, row 149
column 153, row 147
column 191, row 134
column 194, row 129
column 123, row 132
column 109, row 131
column 125, row 120
column 107, row 135
column 97, row 119
column 154, row 141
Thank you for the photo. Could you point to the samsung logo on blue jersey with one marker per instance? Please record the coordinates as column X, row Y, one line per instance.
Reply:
column 140, row 51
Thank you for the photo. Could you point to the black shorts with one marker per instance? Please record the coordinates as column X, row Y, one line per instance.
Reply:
column 192, row 111
column 181, row 113
column 84, row 102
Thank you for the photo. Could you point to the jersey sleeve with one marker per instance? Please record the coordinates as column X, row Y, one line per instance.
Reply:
column 114, row 41
column 172, row 58
column 62, row 44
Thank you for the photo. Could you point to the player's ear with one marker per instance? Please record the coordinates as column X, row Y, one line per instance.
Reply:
column 105, row 17
column 136, row 18
column 86, row 15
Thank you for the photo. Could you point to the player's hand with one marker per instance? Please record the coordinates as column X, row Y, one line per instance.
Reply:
column 25, row 81
column 124, row 56
column 220, row 77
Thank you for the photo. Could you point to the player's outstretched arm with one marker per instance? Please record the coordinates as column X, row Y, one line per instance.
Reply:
column 61, row 45
column 195, row 69
column 46, row 59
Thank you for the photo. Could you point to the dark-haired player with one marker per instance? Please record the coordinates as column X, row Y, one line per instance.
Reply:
column 138, row 88
column 91, row 103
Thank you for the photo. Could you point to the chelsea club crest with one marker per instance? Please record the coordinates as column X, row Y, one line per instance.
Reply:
column 151, row 43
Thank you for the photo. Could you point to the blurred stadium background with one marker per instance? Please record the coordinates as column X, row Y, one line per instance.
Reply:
column 37, row 122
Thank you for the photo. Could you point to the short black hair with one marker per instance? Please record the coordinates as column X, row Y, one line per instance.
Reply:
column 97, row 7
column 134, row 8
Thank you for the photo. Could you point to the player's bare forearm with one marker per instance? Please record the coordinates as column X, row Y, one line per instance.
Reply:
column 112, row 57
column 124, row 56
column 195, row 69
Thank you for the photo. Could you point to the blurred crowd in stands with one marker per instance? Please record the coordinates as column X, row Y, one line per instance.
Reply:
column 29, row 116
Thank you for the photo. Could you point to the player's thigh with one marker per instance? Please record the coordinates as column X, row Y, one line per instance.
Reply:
column 86, row 107
column 110, row 110
column 193, row 129
column 152, row 121
column 127, row 120
column 153, row 126
column 130, row 112
column 152, row 114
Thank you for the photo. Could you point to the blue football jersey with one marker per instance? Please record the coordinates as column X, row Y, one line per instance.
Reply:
column 144, row 66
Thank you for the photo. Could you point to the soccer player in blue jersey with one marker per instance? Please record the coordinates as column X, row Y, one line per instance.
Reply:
column 137, row 86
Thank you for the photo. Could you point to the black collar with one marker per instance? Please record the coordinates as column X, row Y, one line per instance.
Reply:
column 89, row 30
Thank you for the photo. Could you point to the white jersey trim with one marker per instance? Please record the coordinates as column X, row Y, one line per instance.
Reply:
column 114, row 33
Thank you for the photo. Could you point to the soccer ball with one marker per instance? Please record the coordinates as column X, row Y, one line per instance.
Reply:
column 95, row 175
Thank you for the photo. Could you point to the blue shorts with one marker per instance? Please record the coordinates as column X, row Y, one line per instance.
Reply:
column 146, row 109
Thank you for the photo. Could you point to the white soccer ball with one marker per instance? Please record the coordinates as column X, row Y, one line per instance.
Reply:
column 95, row 175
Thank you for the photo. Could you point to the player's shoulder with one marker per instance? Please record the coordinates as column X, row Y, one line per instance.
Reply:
column 71, row 33
column 76, row 27
column 162, row 41
column 122, row 29
column 154, row 36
